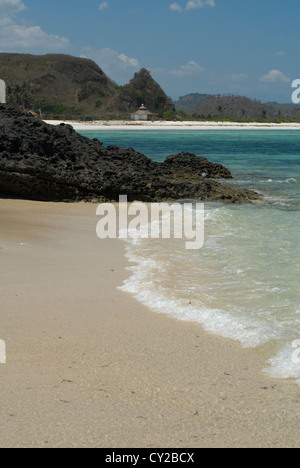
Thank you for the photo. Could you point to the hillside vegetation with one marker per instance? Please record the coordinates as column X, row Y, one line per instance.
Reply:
column 65, row 87
column 142, row 89
column 62, row 86
column 218, row 107
column 58, row 85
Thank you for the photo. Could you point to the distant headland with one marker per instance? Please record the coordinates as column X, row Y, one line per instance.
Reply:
column 62, row 87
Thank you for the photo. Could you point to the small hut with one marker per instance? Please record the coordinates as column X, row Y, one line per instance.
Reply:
column 142, row 114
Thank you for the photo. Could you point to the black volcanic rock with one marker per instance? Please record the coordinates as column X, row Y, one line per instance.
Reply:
column 53, row 163
column 189, row 166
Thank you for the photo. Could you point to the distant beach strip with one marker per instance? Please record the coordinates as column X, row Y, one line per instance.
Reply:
column 160, row 125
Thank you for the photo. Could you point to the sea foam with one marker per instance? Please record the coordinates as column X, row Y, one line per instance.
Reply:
column 253, row 320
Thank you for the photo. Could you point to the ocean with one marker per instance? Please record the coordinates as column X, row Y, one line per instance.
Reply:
column 244, row 283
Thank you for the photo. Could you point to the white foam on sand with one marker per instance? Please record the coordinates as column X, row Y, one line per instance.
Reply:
column 286, row 363
column 218, row 322
column 251, row 331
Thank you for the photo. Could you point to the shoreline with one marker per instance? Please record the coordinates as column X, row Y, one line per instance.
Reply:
column 89, row 366
column 166, row 125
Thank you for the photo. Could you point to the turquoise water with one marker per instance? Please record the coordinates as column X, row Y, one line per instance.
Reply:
column 244, row 283
column 266, row 160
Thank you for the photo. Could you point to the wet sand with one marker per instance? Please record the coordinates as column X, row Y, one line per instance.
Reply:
column 88, row 366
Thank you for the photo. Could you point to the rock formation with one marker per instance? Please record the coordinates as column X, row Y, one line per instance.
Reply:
column 53, row 163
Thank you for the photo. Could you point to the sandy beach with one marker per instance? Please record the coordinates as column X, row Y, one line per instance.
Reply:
column 167, row 125
column 88, row 366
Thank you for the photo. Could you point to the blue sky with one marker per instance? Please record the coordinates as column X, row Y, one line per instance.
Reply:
column 245, row 47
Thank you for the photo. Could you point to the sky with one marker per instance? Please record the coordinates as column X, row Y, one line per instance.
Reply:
column 241, row 47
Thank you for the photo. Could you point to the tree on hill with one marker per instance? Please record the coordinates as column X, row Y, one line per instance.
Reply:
column 19, row 96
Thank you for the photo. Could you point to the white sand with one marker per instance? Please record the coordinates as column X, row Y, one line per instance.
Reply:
column 164, row 125
column 88, row 366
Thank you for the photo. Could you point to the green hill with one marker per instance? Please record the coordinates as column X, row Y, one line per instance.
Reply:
column 142, row 89
column 62, row 86
column 206, row 106
column 66, row 87
column 59, row 85
column 187, row 102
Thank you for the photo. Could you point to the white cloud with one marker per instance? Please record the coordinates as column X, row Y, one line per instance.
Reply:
column 15, row 36
column 118, row 66
column 190, row 69
column 112, row 58
column 10, row 7
column 274, row 76
column 175, row 7
column 196, row 4
column 132, row 62
column 103, row 6
column 192, row 5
